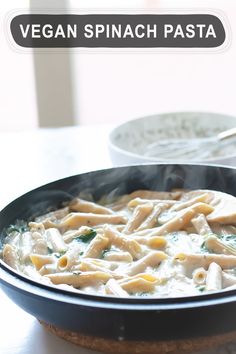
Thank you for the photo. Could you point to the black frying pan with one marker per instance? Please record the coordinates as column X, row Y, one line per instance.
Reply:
column 110, row 317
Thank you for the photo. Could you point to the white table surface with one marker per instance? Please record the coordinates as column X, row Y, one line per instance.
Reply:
column 27, row 160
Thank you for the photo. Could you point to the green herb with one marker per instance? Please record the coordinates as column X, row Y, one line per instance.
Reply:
column 50, row 250
column 81, row 253
column 201, row 288
column 174, row 236
column 111, row 249
column 59, row 254
column 229, row 238
column 203, row 248
column 86, row 238
column 76, row 273
column 143, row 293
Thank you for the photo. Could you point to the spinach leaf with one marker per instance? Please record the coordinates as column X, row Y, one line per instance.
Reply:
column 229, row 239
column 50, row 250
column 201, row 287
column 86, row 238
column 143, row 293
column 203, row 248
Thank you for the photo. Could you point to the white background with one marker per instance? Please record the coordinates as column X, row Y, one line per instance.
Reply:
column 113, row 87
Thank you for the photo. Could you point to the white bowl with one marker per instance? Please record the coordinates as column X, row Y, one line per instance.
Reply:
column 127, row 141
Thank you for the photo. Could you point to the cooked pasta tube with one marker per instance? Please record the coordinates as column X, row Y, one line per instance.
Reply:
column 214, row 277
column 199, row 276
column 56, row 241
column 10, row 256
column 151, row 219
column 118, row 256
column 201, row 225
column 36, row 226
column 214, row 244
column 156, row 242
column 123, row 242
column 86, row 266
column 224, row 208
column 78, row 279
column 140, row 283
column 228, row 279
column 139, row 214
column 204, row 260
column 26, row 246
column 70, row 258
column 39, row 243
column 75, row 220
column 180, row 221
column 144, row 194
column 39, row 260
column 88, row 207
column 104, row 264
column 33, row 273
column 48, row 269
column 182, row 205
column 138, row 201
column 96, row 246
column 152, row 259
column 113, row 288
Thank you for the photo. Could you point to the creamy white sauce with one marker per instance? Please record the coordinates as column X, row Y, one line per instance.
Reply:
column 62, row 250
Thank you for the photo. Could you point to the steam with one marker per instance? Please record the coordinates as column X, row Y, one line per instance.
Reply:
column 115, row 182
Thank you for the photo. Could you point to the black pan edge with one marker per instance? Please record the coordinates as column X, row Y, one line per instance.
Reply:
column 134, row 318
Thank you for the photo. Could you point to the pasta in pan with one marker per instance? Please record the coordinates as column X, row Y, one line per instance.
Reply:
column 147, row 243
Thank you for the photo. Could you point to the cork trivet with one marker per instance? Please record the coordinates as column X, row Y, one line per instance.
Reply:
column 181, row 346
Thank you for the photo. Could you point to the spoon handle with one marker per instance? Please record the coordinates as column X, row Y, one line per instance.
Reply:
column 227, row 134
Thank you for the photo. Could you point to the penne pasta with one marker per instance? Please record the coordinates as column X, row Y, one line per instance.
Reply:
column 228, row 280
column 139, row 201
column 214, row 244
column 118, row 256
column 214, row 277
column 96, row 246
column 151, row 219
column 113, row 288
column 78, row 279
column 123, row 243
column 70, row 258
column 10, row 256
column 75, row 220
column 139, row 214
column 180, row 221
column 204, row 260
column 199, row 276
column 152, row 259
column 201, row 225
column 55, row 240
column 182, row 205
column 146, row 243
column 39, row 260
column 84, row 206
